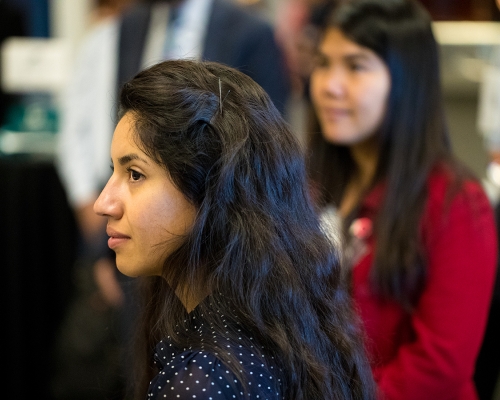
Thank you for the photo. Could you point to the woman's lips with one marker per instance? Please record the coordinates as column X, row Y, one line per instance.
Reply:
column 114, row 242
column 115, row 238
column 335, row 114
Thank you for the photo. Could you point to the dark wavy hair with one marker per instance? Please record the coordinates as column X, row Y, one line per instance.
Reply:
column 413, row 138
column 256, row 240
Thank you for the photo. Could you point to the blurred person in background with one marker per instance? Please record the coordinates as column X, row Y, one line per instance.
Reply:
column 114, row 51
column 108, row 8
column 292, row 20
column 12, row 23
column 297, row 24
column 488, row 122
column 488, row 362
column 418, row 229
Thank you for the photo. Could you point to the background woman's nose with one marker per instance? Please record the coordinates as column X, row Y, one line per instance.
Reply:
column 335, row 83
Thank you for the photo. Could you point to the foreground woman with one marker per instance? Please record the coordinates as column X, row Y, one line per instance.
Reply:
column 208, row 203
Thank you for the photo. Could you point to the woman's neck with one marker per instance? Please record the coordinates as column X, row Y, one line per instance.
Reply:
column 365, row 156
column 189, row 299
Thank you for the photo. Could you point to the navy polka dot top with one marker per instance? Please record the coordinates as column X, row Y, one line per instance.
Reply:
column 194, row 373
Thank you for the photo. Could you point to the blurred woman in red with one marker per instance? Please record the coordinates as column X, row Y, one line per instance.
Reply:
column 418, row 228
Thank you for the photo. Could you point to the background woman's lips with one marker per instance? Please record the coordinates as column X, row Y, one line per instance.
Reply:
column 336, row 112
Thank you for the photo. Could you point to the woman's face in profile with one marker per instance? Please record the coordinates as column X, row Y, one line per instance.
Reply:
column 147, row 215
column 350, row 86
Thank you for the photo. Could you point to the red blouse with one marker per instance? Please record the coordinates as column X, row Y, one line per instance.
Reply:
column 430, row 353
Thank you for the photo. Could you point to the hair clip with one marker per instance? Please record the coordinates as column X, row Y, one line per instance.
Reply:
column 220, row 97
column 221, row 100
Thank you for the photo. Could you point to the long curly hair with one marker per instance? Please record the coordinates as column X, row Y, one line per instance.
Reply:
column 256, row 241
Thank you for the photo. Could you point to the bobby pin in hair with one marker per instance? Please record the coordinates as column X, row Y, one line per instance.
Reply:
column 221, row 100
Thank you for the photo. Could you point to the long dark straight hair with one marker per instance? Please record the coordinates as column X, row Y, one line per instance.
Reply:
column 412, row 140
column 256, row 245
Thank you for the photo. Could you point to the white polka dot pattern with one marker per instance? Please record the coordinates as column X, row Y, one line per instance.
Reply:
column 197, row 374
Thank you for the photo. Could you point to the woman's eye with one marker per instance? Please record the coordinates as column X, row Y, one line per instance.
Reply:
column 134, row 175
column 320, row 61
column 357, row 67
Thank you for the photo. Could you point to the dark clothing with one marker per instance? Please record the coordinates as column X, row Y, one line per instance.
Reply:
column 234, row 37
column 487, row 373
column 12, row 23
column 195, row 373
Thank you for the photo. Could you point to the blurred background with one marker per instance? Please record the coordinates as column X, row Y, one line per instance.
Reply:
column 38, row 45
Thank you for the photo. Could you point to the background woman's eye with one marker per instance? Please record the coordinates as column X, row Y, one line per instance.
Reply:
column 319, row 60
column 356, row 67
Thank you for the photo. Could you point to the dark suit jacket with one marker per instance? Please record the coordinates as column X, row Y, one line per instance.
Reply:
column 235, row 37
column 12, row 23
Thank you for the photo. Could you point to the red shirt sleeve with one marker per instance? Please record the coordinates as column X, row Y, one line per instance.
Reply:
column 449, row 320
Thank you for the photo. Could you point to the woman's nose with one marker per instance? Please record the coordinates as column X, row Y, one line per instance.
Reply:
column 108, row 203
column 335, row 83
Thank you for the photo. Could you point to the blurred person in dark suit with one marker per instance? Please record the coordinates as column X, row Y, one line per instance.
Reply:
column 12, row 23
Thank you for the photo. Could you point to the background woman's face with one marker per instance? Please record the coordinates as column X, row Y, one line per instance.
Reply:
column 147, row 215
column 350, row 86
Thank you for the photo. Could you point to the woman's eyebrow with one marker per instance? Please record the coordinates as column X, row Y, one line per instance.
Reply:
column 357, row 56
column 129, row 157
